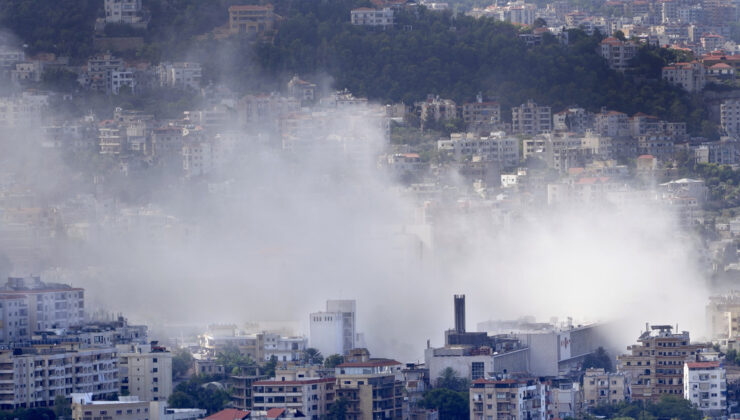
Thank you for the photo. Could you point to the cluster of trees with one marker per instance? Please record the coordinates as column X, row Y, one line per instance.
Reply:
column 669, row 407
column 28, row 414
column 198, row 393
column 63, row 27
column 598, row 359
column 457, row 56
column 450, row 397
column 181, row 363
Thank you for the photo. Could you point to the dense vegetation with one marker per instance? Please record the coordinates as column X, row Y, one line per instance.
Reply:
column 458, row 56
column 722, row 181
column 59, row 26
column 669, row 407
column 197, row 393
column 446, row 54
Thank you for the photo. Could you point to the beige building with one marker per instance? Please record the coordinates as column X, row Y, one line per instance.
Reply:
column 510, row 399
column 723, row 315
column 249, row 19
column 600, row 387
column 654, row 366
column 372, row 388
column 145, row 371
column 690, row 76
column 34, row 376
column 530, row 118
column 618, row 53
column 126, row 408
column 312, row 396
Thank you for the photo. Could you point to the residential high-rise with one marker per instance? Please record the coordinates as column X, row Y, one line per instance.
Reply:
column 30, row 305
column 530, row 118
column 333, row 331
column 600, row 387
column 705, row 385
column 372, row 387
column 145, row 371
column 654, row 366
column 516, row 399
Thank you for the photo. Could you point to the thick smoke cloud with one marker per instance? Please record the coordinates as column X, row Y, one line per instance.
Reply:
column 272, row 235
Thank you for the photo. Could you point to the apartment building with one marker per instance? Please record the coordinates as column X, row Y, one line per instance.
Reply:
column 723, row 316
column 181, row 74
column 123, row 11
column 690, row 76
column 618, row 53
column 33, row 376
column 612, row 124
column 312, row 396
column 29, row 305
column 530, row 119
column 497, row 147
column 372, row 388
column 600, row 387
column 659, row 146
column 241, row 386
column 284, row 349
column 366, row 16
column 481, row 113
column 125, row 408
column 100, row 68
column 128, row 408
column 576, row 120
column 514, row 399
column 654, row 366
column 333, row 331
column 730, row 116
column 705, row 385
column 145, row 371
column 251, row 19
column 435, row 109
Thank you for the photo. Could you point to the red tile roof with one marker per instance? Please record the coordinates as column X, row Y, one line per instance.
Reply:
column 702, row 365
column 274, row 413
column 229, row 414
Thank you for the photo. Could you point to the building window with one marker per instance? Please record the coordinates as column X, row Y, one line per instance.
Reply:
column 477, row 370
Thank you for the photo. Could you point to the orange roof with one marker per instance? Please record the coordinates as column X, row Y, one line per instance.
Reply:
column 274, row 413
column 229, row 414
column 702, row 365
column 646, row 157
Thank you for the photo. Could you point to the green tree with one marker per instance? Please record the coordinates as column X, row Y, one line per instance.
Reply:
column 194, row 394
column 230, row 357
column 62, row 407
column 312, row 356
column 269, row 367
column 181, row 363
column 450, row 379
column 333, row 361
column 598, row 359
column 450, row 404
column 338, row 410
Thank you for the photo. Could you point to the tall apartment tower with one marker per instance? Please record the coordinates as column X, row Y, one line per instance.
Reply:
column 654, row 366
column 333, row 331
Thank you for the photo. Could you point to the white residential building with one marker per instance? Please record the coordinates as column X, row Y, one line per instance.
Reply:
column 618, row 53
column 366, row 16
column 285, row 349
column 334, row 331
column 33, row 377
column 498, row 147
column 183, row 74
column 705, row 385
column 123, row 11
column 30, row 305
column 730, row 116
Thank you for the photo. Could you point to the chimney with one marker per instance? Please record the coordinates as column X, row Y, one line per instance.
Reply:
column 460, row 314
